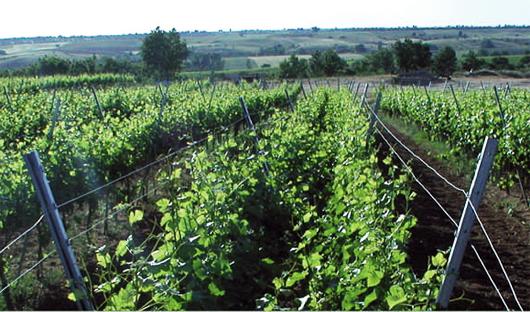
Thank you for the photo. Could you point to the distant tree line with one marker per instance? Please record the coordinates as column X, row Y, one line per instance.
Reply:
column 163, row 55
column 403, row 57
column 54, row 65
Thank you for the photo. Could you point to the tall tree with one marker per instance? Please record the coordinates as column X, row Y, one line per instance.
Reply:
column 412, row 55
column 328, row 63
column 293, row 67
column 53, row 65
column 163, row 52
column 382, row 60
column 471, row 62
column 444, row 63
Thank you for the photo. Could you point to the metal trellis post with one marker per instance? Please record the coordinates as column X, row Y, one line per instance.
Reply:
column 476, row 191
column 57, row 230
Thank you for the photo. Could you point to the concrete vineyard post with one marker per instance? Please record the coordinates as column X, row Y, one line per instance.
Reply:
column 504, row 128
column 251, row 126
column 55, row 118
column 57, row 230
column 501, row 110
column 476, row 192
column 310, row 86
column 373, row 119
column 102, row 115
column 456, row 100
column 200, row 90
column 365, row 93
column 163, row 102
column 356, row 92
column 466, row 87
column 507, row 90
column 8, row 99
column 303, row 90
column 212, row 94
column 291, row 106
column 427, row 93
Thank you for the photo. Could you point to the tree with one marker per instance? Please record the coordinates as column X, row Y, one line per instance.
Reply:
column 412, row 55
column 444, row 63
column 83, row 66
column 206, row 61
column 360, row 48
column 471, row 62
column 328, row 63
column 382, row 60
column 163, row 52
column 53, row 65
column 524, row 61
column 293, row 67
column 500, row 63
column 487, row 44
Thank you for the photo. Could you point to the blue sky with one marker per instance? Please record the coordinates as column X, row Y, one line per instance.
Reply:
column 26, row 18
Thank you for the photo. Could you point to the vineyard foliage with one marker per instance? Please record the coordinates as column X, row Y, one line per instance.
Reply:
column 83, row 145
column 465, row 122
column 318, row 230
column 37, row 84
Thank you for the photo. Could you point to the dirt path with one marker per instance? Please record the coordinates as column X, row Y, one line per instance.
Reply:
column 435, row 232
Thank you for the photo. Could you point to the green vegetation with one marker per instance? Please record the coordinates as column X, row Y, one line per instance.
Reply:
column 471, row 62
column 17, row 86
column 294, row 68
column 412, row 55
column 307, row 234
column 327, row 63
column 163, row 53
column 444, row 63
column 270, row 47
column 465, row 123
column 84, row 143
column 317, row 232
column 457, row 163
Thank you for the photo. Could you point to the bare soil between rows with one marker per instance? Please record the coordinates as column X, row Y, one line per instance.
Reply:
column 434, row 231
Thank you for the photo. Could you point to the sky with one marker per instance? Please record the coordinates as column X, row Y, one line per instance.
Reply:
column 29, row 18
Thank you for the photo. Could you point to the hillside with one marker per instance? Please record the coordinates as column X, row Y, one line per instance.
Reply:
column 271, row 46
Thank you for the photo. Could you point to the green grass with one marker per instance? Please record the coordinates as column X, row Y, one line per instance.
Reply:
column 514, row 59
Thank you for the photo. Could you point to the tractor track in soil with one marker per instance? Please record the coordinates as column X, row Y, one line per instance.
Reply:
column 434, row 231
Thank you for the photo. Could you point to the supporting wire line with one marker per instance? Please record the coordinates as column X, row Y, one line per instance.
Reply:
column 446, row 213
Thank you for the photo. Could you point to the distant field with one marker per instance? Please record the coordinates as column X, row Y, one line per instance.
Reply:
column 237, row 47
column 273, row 60
column 514, row 59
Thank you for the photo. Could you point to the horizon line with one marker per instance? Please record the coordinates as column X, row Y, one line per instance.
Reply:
column 463, row 26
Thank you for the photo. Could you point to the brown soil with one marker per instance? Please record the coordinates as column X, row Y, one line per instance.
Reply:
column 435, row 232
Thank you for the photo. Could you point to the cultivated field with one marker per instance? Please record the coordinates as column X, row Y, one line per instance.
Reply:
column 308, row 195
column 247, row 44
